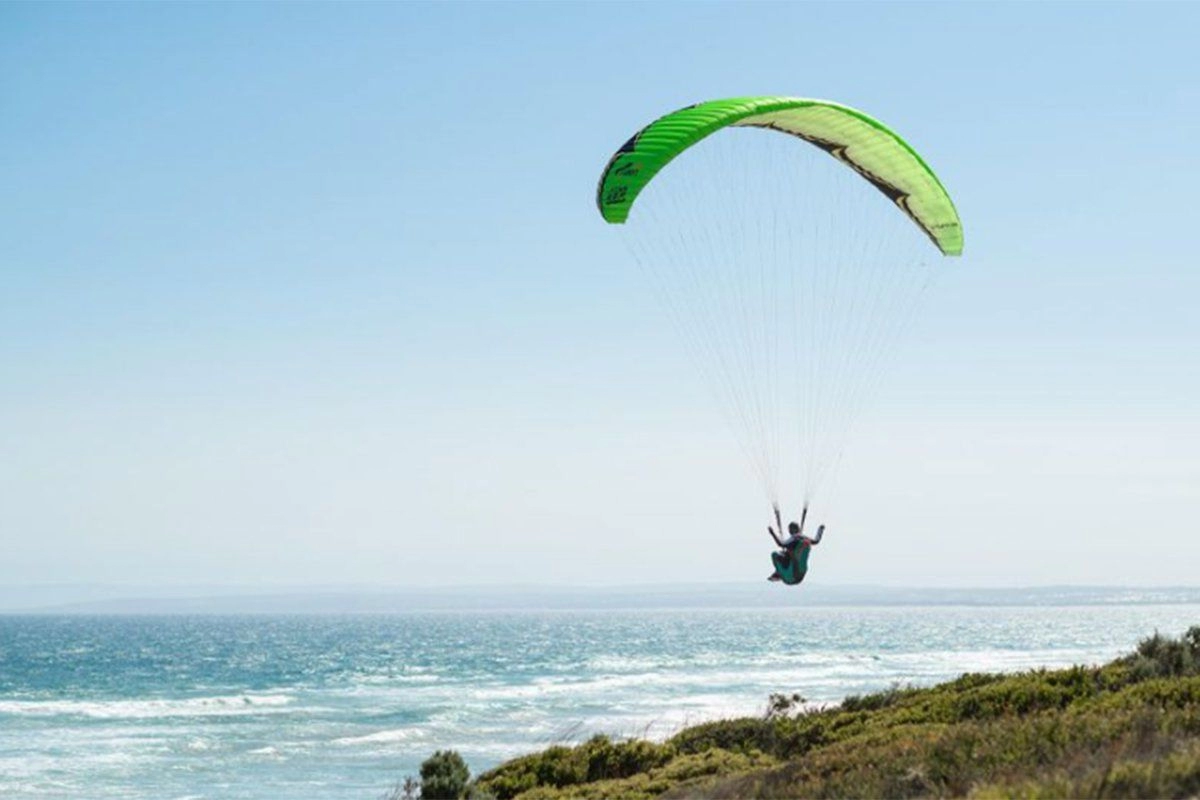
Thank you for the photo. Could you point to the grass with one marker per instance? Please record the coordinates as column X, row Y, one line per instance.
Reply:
column 1130, row 728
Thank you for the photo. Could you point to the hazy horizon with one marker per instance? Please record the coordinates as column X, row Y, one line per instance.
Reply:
column 332, row 599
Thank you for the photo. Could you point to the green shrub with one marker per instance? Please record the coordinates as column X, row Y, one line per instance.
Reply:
column 444, row 776
column 683, row 774
column 780, row 704
column 597, row 759
column 1159, row 656
column 738, row 735
column 874, row 702
column 607, row 760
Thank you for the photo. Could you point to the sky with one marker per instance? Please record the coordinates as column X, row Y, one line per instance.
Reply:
column 314, row 294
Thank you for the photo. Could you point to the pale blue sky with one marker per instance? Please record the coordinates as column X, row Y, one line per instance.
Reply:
column 318, row 294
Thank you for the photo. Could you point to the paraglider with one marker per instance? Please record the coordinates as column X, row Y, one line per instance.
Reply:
column 791, row 560
column 788, row 276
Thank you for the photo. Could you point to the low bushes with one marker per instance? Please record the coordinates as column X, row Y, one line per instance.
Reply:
column 1128, row 729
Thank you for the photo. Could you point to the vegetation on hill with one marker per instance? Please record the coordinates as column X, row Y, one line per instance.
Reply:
column 1130, row 728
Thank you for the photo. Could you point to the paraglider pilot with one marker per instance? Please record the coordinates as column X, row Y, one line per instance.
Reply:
column 791, row 560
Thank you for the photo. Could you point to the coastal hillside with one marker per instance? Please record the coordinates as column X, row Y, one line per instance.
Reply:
column 1130, row 728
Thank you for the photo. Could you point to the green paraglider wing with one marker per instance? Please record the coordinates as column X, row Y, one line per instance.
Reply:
column 862, row 143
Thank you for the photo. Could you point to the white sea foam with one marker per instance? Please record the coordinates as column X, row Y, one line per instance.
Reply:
column 264, row 751
column 384, row 737
column 226, row 705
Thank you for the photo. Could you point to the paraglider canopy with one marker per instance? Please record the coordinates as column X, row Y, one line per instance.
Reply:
column 861, row 142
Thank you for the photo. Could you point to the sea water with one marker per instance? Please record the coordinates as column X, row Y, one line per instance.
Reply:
column 344, row 706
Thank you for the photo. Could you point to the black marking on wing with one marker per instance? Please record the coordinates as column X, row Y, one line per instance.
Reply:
column 839, row 151
column 612, row 197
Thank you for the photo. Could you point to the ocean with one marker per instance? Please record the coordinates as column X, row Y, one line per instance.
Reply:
column 343, row 705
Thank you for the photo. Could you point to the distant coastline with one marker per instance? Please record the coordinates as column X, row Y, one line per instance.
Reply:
column 357, row 600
